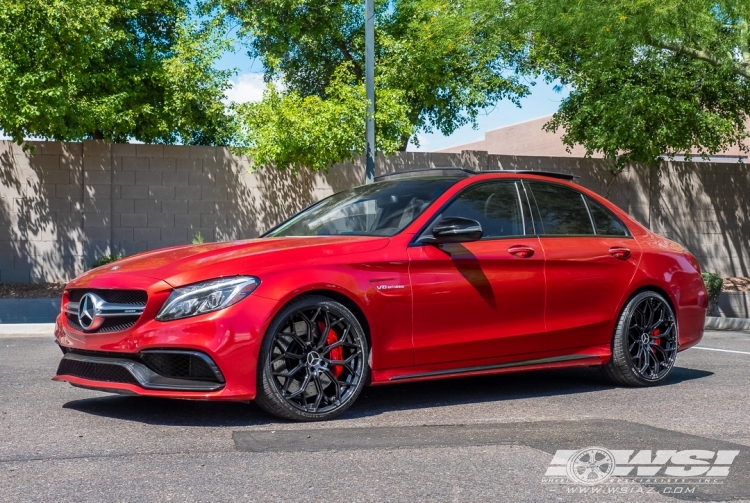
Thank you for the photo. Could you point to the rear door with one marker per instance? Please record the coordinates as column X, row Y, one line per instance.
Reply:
column 590, row 262
column 485, row 298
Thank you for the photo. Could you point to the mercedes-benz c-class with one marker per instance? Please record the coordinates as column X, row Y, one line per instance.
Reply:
column 421, row 275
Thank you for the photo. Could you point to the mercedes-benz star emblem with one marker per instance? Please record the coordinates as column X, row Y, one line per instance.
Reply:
column 88, row 312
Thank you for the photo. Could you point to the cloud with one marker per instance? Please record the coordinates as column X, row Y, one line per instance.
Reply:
column 246, row 87
column 424, row 142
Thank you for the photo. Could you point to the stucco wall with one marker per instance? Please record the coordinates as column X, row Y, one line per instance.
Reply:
column 66, row 204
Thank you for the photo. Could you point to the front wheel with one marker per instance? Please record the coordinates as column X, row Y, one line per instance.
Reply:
column 313, row 362
column 644, row 346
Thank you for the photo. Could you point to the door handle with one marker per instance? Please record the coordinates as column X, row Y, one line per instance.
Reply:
column 521, row 251
column 619, row 252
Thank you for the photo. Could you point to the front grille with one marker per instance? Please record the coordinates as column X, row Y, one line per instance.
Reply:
column 179, row 366
column 110, row 324
column 95, row 371
column 113, row 324
column 135, row 297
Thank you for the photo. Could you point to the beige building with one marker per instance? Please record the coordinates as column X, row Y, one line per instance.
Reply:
column 530, row 139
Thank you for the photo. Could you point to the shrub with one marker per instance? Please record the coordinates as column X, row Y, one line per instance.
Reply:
column 198, row 239
column 106, row 259
column 713, row 285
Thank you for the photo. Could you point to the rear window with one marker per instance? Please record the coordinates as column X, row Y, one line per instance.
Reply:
column 605, row 223
column 562, row 210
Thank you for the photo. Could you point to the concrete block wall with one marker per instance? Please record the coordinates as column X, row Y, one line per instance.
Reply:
column 63, row 205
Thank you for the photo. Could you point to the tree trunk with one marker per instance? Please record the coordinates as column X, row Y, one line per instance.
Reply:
column 404, row 143
column 97, row 135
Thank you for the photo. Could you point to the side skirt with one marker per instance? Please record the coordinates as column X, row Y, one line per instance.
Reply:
column 550, row 362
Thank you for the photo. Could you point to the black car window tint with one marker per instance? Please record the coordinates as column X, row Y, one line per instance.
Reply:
column 494, row 205
column 562, row 210
column 605, row 222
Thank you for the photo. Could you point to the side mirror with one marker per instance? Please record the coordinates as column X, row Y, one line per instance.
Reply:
column 457, row 230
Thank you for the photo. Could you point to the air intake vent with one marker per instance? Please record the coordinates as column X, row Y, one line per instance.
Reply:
column 95, row 371
column 181, row 365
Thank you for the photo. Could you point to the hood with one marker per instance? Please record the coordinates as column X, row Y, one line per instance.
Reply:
column 191, row 263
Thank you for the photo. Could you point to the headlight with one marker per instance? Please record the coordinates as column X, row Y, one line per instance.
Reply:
column 206, row 297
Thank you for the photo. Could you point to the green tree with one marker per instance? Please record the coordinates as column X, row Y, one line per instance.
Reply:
column 112, row 69
column 430, row 75
column 647, row 77
column 289, row 130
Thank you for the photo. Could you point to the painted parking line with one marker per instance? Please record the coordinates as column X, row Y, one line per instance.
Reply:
column 723, row 350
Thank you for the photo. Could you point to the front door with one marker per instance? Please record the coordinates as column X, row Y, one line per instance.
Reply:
column 481, row 299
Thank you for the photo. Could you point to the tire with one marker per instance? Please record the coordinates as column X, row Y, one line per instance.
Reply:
column 312, row 364
column 645, row 342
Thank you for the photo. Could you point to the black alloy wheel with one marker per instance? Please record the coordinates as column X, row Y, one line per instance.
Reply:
column 645, row 343
column 313, row 362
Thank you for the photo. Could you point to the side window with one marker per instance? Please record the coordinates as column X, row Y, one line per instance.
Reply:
column 605, row 222
column 562, row 210
column 495, row 205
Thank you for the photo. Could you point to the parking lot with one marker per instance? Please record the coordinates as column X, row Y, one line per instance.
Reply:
column 476, row 439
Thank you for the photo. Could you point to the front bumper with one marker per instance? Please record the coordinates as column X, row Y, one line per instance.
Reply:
column 229, row 339
column 130, row 370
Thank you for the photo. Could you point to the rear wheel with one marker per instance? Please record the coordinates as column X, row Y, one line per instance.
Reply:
column 644, row 346
column 313, row 361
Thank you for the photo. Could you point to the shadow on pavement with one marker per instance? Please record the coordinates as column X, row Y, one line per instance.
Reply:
column 373, row 401
column 378, row 399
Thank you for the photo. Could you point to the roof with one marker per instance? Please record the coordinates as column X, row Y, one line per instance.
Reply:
column 464, row 173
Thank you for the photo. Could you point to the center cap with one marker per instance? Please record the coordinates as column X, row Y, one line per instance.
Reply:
column 645, row 339
column 314, row 359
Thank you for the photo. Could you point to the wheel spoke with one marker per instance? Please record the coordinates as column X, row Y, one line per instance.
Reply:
column 302, row 388
column 319, row 396
column 661, row 350
column 336, row 384
column 323, row 340
column 291, row 372
column 294, row 337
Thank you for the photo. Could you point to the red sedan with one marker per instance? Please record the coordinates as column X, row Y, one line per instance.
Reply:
column 421, row 275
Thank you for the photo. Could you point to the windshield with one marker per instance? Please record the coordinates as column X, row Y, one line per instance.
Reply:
column 378, row 209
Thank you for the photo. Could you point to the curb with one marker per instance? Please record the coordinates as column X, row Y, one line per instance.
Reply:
column 13, row 330
column 727, row 323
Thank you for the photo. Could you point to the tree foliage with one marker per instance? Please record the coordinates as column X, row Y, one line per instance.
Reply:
column 290, row 130
column 430, row 75
column 647, row 77
column 115, row 69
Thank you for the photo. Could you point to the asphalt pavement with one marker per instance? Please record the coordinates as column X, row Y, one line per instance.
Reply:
column 492, row 438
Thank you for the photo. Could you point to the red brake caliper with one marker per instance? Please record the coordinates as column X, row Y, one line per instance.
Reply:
column 656, row 341
column 336, row 353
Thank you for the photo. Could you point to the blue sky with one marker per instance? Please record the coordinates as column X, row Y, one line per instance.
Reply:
column 543, row 101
